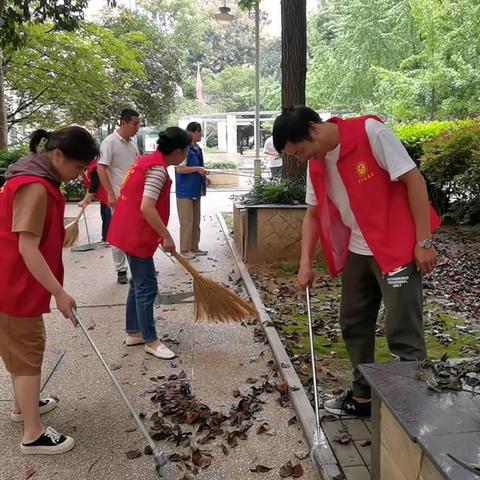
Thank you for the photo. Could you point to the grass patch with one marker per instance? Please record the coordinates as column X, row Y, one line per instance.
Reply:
column 228, row 217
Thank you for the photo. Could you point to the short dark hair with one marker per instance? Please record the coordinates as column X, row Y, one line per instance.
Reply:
column 194, row 127
column 172, row 139
column 292, row 125
column 36, row 137
column 75, row 143
column 127, row 115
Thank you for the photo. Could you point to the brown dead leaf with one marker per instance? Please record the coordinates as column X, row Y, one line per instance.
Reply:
column 261, row 469
column 29, row 473
column 286, row 470
column 264, row 427
column 201, row 458
column 132, row 454
column 224, row 449
column 297, row 471
column 148, row 450
column 283, row 388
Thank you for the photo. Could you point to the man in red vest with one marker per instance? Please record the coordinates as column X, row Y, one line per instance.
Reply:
column 368, row 206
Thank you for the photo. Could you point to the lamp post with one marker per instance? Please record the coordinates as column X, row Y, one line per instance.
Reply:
column 224, row 16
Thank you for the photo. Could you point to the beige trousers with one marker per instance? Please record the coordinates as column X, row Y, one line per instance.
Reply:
column 189, row 218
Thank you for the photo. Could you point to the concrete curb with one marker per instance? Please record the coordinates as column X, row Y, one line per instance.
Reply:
column 328, row 467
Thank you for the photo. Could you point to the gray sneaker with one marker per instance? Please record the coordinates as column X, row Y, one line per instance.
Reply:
column 188, row 255
column 199, row 252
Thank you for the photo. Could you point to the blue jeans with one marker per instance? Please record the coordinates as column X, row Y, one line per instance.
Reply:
column 141, row 298
column 106, row 215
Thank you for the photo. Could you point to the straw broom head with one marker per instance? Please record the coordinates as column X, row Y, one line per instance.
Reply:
column 214, row 302
column 72, row 231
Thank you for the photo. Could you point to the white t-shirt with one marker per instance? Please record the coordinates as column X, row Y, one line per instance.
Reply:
column 118, row 155
column 390, row 155
column 270, row 150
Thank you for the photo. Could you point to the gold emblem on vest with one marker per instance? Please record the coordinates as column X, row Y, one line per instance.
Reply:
column 362, row 172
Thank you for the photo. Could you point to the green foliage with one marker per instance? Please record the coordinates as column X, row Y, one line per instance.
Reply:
column 226, row 165
column 11, row 156
column 408, row 59
column 74, row 191
column 285, row 192
column 451, row 163
column 414, row 135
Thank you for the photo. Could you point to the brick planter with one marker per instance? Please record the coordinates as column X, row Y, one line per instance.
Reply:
column 265, row 233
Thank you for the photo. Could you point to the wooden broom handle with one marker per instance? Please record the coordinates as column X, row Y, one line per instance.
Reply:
column 186, row 264
column 80, row 214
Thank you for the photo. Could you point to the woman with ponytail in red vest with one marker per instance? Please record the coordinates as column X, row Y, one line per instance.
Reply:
column 31, row 242
column 95, row 189
column 139, row 227
column 368, row 207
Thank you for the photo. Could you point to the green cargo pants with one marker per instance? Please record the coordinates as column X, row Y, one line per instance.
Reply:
column 363, row 288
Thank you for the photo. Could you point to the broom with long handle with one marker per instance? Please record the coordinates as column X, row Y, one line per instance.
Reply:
column 214, row 302
column 164, row 468
column 71, row 230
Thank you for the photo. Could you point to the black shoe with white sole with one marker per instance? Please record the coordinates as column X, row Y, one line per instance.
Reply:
column 49, row 443
column 345, row 404
column 45, row 405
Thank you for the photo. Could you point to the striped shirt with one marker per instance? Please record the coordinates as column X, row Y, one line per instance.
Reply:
column 154, row 182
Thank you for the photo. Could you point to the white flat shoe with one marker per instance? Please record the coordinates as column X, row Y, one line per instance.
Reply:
column 45, row 405
column 161, row 351
column 132, row 341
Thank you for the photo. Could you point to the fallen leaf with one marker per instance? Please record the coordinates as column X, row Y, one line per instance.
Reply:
column 130, row 430
column 148, row 450
column 292, row 421
column 264, row 427
column 283, row 388
column 224, row 449
column 261, row 469
column 286, row 470
column 29, row 473
column 132, row 454
column 365, row 443
column 297, row 471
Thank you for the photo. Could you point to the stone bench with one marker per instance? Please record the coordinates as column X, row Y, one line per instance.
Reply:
column 415, row 430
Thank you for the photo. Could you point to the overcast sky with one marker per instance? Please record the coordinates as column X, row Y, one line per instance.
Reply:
column 271, row 7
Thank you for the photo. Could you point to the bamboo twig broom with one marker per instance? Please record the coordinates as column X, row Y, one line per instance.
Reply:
column 214, row 302
column 71, row 230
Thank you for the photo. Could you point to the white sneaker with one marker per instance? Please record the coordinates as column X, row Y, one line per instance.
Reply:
column 161, row 351
column 45, row 405
column 49, row 443
column 188, row 255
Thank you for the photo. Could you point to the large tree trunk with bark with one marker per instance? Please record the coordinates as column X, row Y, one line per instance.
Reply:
column 3, row 108
column 294, row 68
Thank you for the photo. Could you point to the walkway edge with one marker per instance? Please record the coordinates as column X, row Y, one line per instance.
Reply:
column 304, row 411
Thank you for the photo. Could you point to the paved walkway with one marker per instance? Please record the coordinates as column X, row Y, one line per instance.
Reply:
column 223, row 357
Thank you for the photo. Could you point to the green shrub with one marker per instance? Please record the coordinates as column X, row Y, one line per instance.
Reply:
column 285, row 192
column 451, row 163
column 74, row 191
column 225, row 165
column 11, row 156
column 413, row 136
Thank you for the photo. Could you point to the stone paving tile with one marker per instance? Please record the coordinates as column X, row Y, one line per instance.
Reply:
column 356, row 473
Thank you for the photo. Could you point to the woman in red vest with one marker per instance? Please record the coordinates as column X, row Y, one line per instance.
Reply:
column 369, row 208
column 95, row 189
column 139, row 226
column 31, row 241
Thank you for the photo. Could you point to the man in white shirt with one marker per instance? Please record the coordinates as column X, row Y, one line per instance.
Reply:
column 275, row 158
column 117, row 153
column 368, row 204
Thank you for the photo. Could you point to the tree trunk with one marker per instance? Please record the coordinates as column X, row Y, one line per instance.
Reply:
column 294, row 68
column 3, row 109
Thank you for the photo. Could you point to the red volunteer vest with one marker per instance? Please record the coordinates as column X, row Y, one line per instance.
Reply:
column 379, row 205
column 20, row 294
column 129, row 230
column 101, row 193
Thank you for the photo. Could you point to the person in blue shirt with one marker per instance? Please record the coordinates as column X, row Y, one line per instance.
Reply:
column 191, row 183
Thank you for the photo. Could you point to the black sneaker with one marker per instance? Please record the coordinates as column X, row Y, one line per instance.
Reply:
column 49, row 443
column 122, row 278
column 345, row 404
